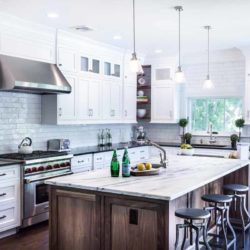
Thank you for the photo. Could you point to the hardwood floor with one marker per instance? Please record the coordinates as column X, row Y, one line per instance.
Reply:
column 37, row 238
column 31, row 238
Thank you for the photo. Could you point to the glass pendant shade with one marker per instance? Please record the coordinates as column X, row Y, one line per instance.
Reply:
column 135, row 64
column 179, row 76
column 208, row 84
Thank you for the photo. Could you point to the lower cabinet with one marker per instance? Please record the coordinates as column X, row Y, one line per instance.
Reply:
column 83, row 220
column 75, row 220
column 132, row 224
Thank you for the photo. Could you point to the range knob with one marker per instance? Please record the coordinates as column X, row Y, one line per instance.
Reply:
column 41, row 168
column 34, row 169
column 28, row 170
column 63, row 165
column 56, row 166
column 49, row 167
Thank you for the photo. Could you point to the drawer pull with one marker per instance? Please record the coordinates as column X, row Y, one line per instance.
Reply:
column 3, row 194
column 3, row 174
column 2, row 217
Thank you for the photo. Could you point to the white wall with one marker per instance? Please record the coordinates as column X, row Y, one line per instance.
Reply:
column 20, row 116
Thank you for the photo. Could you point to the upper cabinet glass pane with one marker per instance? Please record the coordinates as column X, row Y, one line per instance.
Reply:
column 117, row 70
column 107, row 68
column 96, row 66
column 84, row 64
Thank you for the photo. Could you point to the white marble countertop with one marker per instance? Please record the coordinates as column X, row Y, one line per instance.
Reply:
column 183, row 174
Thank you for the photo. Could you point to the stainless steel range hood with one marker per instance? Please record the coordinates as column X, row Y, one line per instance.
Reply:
column 22, row 75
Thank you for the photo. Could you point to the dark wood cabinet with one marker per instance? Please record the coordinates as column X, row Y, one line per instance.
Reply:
column 134, row 225
column 76, row 221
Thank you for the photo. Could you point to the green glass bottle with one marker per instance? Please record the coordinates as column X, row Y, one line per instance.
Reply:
column 115, row 165
column 125, row 164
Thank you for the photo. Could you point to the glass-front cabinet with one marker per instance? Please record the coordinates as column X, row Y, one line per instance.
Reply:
column 89, row 65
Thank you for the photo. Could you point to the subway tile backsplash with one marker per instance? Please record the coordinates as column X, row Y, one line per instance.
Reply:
column 20, row 116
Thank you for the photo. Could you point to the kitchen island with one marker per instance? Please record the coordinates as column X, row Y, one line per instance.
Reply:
column 95, row 211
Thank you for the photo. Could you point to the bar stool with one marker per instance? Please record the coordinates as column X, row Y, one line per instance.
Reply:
column 219, row 204
column 238, row 193
column 190, row 215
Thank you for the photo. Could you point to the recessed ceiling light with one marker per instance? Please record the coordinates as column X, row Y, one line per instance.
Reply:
column 117, row 37
column 158, row 51
column 52, row 15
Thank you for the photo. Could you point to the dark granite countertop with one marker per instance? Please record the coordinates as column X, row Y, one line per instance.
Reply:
column 4, row 163
column 96, row 149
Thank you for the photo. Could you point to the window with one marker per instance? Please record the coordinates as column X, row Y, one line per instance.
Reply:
column 221, row 112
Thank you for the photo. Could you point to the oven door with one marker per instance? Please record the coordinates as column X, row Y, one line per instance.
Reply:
column 36, row 198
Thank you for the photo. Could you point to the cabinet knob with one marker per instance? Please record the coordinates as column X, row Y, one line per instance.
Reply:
column 60, row 65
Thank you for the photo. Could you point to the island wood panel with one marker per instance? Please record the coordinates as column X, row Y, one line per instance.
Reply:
column 134, row 225
column 75, row 221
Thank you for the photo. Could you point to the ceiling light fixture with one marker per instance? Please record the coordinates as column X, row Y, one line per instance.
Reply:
column 52, row 15
column 158, row 51
column 117, row 37
column 179, row 75
column 208, row 84
column 135, row 64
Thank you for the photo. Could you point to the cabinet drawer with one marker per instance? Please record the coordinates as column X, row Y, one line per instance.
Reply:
column 8, row 192
column 81, row 160
column 10, row 172
column 80, row 169
column 99, row 158
column 8, row 217
column 143, row 153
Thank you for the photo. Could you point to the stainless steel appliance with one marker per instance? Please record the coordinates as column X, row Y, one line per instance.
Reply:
column 22, row 75
column 58, row 145
column 36, row 168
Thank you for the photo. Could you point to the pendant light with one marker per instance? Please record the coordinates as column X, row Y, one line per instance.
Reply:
column 208, row 84
column 135, row 64
column 179, row 75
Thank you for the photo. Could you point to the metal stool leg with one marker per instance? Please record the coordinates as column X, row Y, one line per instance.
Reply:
column 177, row 236
column 204, row 233
column 197, row 231
column 230, row 227
column 184, row 239
column 242, row 221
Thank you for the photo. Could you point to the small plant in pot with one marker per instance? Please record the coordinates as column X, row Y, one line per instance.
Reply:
column 187, row 138
column 234, row 138
column 239, row 123
column 183, row 122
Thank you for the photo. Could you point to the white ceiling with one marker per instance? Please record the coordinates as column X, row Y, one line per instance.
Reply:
column 157, row 21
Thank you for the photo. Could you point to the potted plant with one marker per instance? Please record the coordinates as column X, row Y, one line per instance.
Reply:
column 183, row 122
column 234, row 138
column 187, row 138
column 239, row 123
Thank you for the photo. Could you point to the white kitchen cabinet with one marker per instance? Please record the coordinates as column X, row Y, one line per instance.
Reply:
column 165, row 103
column 67, row 59
column 61, row 109
column 129, row 103
column 90, row 65
column 111, row 100
column 10, row 199
column 89, row 101
column 82, row 163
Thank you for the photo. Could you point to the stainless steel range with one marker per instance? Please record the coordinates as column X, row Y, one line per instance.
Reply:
column 36, row 168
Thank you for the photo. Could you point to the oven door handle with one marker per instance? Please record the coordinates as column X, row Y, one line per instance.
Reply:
column 28, row 181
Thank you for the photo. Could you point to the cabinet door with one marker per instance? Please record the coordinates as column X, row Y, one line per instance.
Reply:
column 133, row 225
column 76, row 220
column 162, row 103
column 94, row 96
column 67, row 102
column 83, row 99
column 115, row 99
column 129, row 103
column 106, row 100
column 66, row 59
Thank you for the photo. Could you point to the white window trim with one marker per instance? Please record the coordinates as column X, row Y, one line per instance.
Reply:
column 204, row 133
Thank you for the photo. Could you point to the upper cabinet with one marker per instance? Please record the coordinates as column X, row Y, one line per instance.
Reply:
column 129, row 103
column 165, row 103
column 26, row 40
column 67, row 59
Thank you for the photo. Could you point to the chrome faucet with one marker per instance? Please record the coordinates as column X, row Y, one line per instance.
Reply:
column 210, row 131
column 164, row 160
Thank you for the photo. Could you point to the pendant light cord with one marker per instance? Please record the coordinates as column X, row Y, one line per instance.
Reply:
column 208, row 54
column 179, row 37
column 134, row 24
